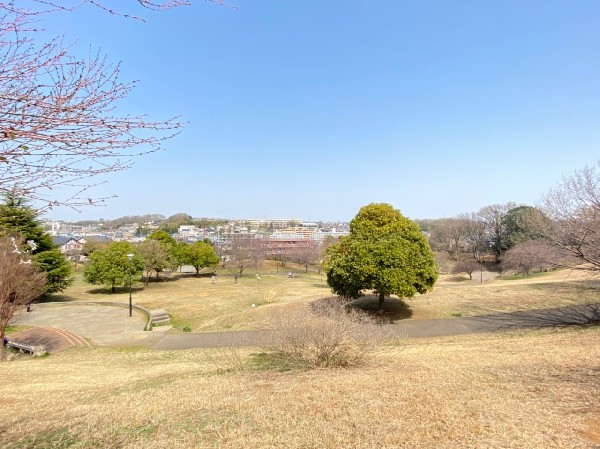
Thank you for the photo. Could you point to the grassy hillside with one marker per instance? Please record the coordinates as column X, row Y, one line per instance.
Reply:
column 515, row 390
column 197, row 303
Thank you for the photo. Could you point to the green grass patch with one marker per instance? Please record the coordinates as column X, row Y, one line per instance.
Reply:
column 272, row 361
column 13, row 329
column 518, row 277
column 57, row 439
column 180, row 325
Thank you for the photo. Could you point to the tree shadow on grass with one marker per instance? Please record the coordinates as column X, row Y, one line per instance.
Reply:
column 585, row 314
column 107, row 290
column 54, row 297
column 154, row 280
column 458, row 278
column 587, row 284
column 394, row 309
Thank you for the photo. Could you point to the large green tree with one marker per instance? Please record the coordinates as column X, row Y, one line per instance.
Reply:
column 163, row 237
column 19, row 220
column 200, row 255
column 385, row 252
column 519, row 225
column 111, row 267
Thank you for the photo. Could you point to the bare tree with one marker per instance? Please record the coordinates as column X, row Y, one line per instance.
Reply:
column 242, row 253
column 450, row 234
column 38, row 7
column 58, row 127
column 571, row 220
column 493, row 218
column 531, row 256
column 475, row 236
column 468, row 266
column 306, row 253
column 20, row 284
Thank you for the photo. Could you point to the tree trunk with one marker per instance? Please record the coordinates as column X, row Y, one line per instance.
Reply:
column 197, row 271
column 113, row 289
column 381, row 299
column 2, row 350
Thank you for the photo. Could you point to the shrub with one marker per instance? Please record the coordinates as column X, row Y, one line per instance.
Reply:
column 270, row 296
column 324, row 335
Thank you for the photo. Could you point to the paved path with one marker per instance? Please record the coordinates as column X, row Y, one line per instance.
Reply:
column 101, row 325
column 111, row 326
column 53, row 339
column 407, row 328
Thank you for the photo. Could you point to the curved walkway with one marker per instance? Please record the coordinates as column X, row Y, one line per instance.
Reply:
column 101, row 325
column 111, row 326
column 53, row 339
column 529, row 319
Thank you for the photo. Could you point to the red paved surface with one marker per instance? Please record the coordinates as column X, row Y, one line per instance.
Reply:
column 55, row 340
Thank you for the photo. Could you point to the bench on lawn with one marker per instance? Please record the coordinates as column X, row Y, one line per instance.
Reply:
column 22, row 347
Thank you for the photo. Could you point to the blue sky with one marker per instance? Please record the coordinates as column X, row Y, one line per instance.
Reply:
column 313, row 109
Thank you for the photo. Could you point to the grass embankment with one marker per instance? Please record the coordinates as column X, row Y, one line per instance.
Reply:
column 197, row 303
column 512, row 390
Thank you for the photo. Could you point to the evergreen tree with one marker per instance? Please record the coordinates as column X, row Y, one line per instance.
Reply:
column 385, row 252
column 19, row 220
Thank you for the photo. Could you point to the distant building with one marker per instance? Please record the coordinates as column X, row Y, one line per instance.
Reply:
column 70, row 246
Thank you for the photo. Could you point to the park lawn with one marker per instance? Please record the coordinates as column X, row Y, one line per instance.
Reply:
column 471, row 298
column 200, row 304
column 197, row 303
column 513, row 390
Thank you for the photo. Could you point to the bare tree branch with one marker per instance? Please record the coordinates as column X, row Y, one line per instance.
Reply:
column 20, row 283
column 572, row 215
column 59, row 124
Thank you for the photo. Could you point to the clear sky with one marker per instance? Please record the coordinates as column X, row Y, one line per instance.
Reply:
column 312, row 109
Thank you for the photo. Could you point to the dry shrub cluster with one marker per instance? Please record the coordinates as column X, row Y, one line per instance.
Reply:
column 327, row 334
column 270, row 296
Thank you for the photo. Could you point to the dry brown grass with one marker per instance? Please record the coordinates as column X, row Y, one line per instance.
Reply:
column 203, row 306
column 519, row 390
column 471, row 298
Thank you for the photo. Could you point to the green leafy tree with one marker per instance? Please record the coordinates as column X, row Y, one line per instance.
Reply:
column 172, row 223
column 163, row 237
column 92, row 245
column 166, row 258
column 58, row 270
column 18, row 219
column 385, row 252
column 111, row 266
column 518, row 225
column 200, row 255
column 157, row 257
column 178, row 253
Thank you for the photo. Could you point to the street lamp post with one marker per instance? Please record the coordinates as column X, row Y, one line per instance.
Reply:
column 130, row 258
